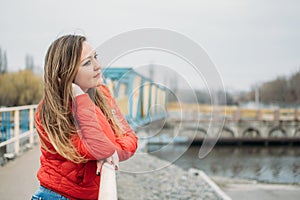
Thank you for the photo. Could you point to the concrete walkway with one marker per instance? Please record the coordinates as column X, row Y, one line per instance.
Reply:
column 252, row 190
column 263, row 191
column 18, row 179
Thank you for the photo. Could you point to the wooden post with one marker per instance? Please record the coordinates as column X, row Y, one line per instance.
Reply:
column 17, row 131
column 31, row 126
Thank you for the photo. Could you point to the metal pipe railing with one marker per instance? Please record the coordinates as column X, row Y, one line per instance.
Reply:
column 108, row 183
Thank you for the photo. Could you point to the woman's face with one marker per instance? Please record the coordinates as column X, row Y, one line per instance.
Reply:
column 89, row 73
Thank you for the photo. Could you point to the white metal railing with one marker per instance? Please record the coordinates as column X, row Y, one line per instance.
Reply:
column 15, row 123
column 108, row 184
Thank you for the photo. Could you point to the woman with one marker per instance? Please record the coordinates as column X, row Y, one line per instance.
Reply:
column 78, row 123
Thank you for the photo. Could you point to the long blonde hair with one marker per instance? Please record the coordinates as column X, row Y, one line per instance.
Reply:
column 56, row 116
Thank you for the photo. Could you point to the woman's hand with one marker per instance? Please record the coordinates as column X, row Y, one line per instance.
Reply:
column 76, row 90
column 113, row 160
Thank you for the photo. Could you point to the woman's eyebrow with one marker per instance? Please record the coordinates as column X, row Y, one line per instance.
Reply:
column 89, row 57
column 86, row 59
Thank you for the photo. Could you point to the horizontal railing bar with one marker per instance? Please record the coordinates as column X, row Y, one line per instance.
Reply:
column 11, row 140
column 8, row 109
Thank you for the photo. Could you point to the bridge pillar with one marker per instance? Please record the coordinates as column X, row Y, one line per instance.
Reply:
column 264, row 129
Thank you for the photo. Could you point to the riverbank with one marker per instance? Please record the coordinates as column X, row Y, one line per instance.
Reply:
column 148, row 177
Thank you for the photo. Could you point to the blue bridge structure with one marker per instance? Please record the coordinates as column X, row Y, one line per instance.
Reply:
column 139, row 98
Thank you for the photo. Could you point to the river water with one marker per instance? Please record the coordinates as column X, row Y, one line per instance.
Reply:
column 276, row 164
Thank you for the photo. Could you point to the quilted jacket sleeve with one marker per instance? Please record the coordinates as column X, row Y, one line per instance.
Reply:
column 127, row 143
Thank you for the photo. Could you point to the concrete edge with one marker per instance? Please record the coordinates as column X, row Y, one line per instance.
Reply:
column 211, row 183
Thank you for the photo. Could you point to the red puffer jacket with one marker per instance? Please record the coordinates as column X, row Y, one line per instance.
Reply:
column 96, row 140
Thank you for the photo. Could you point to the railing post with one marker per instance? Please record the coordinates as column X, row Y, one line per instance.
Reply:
column 259, row 115
column 296, row 114
column 17, row 131
column 31, row 125
column 237, row 115
column 276, row 115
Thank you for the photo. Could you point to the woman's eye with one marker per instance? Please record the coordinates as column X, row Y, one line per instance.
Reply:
column 87, row 63
column 96, row 56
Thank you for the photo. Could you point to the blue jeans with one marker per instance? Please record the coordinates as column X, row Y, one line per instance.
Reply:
column 45, row 194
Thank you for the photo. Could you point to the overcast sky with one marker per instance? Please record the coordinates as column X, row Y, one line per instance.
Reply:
column 250, row 41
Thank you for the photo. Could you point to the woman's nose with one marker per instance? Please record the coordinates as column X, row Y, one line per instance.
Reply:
column 97, row 65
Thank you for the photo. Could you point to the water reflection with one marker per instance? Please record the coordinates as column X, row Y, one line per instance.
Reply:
column 278, row 164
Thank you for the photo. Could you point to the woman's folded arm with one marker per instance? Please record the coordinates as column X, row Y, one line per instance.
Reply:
column 91, row 140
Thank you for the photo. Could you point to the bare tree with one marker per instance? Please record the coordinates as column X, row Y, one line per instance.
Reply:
column 275, row 91
column 294, row 87
column 29, row 63
column 3, row 62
